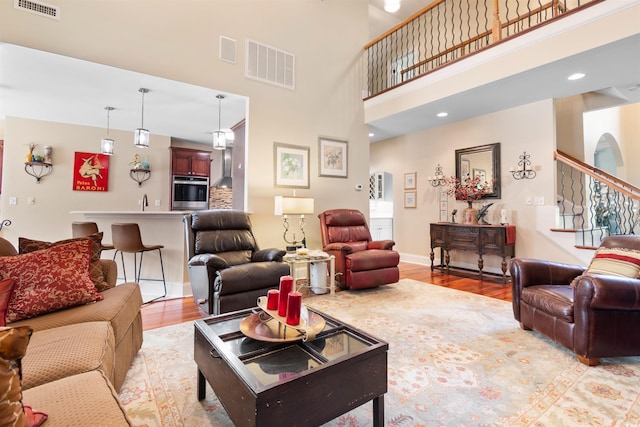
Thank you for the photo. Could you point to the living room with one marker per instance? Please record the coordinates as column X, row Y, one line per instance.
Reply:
column 179, row 43
column 267, row 105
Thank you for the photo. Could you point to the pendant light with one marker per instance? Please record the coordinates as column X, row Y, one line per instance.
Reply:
column 141, row 136
column 219, row 138
column 106, row 144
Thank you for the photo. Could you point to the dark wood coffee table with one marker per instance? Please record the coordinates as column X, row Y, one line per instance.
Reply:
column 294, row 383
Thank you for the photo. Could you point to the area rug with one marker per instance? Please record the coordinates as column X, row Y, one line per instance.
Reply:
column 455, row 359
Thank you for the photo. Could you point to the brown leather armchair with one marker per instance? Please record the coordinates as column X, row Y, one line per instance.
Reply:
column 360, row 261
column 597, row 316
column 226, row 268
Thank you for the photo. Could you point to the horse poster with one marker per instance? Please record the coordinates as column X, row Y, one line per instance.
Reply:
column 90, row 172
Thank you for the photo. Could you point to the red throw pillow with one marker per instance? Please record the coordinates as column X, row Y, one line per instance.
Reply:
column 6, row 289
column 95, row 267
column 49, row 280
column 13, row 345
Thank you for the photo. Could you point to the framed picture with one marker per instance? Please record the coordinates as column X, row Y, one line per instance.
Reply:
column 409, row 199
column 410, row 181
column 90, row 172
column 332, row 157
column 290, row 165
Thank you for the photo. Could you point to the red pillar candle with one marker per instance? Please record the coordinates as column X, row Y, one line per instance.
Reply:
column 286, row 286
column 293, row 308
column 272, row 299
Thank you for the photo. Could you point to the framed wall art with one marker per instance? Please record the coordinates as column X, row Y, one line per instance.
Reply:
column 333, row 158
column 290, row 165
column 90, row 172
column 410, row 199
column 410, row 182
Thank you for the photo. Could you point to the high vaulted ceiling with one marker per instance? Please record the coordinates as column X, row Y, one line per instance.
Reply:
column 50, row 87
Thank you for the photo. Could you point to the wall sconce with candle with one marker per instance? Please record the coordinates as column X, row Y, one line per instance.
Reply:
column 292, row 205
column 524, row 170
column 439, row 179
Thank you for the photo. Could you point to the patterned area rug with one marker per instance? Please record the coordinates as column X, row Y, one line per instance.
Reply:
column 455, row 359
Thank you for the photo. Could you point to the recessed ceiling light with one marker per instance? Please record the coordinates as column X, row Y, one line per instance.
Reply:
column 371, row 134
column 443, row 114
column 576, row 76
column 391, row 6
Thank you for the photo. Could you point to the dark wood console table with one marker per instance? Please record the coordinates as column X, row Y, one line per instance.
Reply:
column 482, row 239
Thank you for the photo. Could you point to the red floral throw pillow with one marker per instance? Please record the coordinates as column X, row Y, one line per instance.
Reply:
column 49, row 280
column 95, row 267
column 13, row 345
column 6, row 289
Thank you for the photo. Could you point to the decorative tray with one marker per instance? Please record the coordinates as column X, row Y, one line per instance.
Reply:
column 312, row 255
column 266, row 325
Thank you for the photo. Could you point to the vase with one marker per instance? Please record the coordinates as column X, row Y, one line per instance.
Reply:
column 470, row 214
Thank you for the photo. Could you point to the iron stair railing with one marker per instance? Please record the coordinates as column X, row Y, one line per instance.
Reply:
column 593, row 203
column 446, row 31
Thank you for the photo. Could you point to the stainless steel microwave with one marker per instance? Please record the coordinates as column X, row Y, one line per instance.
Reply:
column 190, row 193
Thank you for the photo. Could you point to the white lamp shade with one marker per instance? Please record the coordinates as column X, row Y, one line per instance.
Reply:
column 288, row 205
column 106, row 146
column 141, row 138
column 219, row 140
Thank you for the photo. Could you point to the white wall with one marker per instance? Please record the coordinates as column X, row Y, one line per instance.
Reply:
column 528, row 128
column 178, row 39
column 623, row 125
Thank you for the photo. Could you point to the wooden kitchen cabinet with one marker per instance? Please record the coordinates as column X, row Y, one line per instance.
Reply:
column 190, row 162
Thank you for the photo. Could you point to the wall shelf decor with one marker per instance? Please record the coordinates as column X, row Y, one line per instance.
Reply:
column 38, row 170
column 524, row 170
column 140, row 175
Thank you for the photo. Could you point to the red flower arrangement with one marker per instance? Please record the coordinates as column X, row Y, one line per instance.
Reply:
column 468, row 190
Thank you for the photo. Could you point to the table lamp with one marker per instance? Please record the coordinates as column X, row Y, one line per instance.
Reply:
column 292, row 205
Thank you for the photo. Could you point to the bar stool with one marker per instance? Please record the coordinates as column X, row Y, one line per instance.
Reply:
column 83, row 229
column 126, row 238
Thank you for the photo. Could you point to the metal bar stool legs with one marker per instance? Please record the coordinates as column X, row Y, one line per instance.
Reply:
column 164, row 282
column 126, row 238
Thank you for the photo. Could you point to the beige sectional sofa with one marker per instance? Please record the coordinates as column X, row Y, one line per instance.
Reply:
column 77, row 358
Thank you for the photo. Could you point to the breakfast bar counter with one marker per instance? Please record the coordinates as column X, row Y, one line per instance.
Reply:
column 156, row 228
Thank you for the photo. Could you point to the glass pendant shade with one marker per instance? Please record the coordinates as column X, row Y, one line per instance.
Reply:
column 141, row 138
column 141, row 135
column 219, row 140
column 106, row 143
column 106, row 146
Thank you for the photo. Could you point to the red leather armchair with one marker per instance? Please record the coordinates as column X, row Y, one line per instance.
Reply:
column 360, row 262
column 596, row 317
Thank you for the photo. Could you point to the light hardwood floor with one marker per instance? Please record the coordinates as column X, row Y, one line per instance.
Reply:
column 165, row 313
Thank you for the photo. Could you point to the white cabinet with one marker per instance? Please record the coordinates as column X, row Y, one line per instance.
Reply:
column 381, row 228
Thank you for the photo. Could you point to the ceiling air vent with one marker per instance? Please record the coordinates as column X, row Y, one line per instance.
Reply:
column 38, row 7
column 270, row 65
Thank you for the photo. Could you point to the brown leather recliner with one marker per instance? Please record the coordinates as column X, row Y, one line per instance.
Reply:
column 226, row 268
column 596, row 317
column 360, row 261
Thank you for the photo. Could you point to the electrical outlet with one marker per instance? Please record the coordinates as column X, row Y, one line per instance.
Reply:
column 538, row 200
column 31, row 200
column 529, row 201
column 157, row 202
column 13, row 200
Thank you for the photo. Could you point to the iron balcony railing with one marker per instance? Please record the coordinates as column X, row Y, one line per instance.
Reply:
column 593, row 203
column 448, row 30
